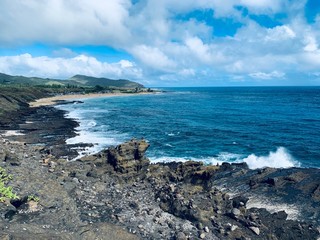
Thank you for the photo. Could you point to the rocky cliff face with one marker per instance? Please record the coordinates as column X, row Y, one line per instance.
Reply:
column 128, row 157
column 14, row 106
column 179, row 200
column 118, row 194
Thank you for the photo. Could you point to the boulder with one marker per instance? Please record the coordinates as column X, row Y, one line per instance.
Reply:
column 7, row 210
column 12, row 159
column 316, row 194
column 256, row 230
column 128, row 157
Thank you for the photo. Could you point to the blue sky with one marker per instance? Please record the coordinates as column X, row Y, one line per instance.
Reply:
column 164, row 43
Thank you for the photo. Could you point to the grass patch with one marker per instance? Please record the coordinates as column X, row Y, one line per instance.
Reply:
column 6, row 191
column 33, row 198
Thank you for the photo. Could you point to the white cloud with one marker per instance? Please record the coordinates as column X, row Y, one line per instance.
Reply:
column 267, row 76
column 44, row 66
column 199, row 49
column 164, row 45
column 153, row 57
column 280, row 33
column 64, row 52
column 64, row 22
column 263, row 6
column 187, row 72
column 311, row 44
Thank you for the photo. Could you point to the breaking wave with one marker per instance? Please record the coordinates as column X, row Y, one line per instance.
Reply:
column 281, row 158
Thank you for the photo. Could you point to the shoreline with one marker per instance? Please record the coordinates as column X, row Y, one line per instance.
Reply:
column 119, row 190
column 48, row 101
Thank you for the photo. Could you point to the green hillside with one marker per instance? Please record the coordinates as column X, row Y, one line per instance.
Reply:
column 77, row 81
column 82, row 80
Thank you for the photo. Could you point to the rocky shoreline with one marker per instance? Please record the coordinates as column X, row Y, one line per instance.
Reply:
column 118, row 194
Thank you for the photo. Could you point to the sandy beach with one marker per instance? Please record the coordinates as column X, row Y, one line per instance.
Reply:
column 53, row 100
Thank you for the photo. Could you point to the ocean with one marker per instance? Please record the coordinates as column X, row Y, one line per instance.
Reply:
column 262, row 126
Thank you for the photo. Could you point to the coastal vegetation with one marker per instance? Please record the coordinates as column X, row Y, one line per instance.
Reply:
column 17, row 91
column 75, row 82
column 6, row 192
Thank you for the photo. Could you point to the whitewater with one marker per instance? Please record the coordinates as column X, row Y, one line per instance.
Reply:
column 262, row 126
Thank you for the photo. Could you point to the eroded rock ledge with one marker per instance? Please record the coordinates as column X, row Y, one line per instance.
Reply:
column 118, row 194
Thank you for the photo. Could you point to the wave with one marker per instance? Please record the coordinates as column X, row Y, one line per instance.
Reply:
column 90, row 132
column 281, row 158
column 171, row 134
column 209, row 161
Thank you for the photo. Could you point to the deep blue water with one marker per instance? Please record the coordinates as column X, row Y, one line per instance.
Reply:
column 264, row 126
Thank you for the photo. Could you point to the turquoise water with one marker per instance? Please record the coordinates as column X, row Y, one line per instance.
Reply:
column 263, row 126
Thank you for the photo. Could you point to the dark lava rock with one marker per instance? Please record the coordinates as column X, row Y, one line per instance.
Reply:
column 7, row 211
column 129, row 157
column 12, row 159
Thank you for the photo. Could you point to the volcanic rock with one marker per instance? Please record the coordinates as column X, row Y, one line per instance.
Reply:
column 128, row 157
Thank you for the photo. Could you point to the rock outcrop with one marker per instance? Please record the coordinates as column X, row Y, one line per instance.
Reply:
column 128, row 157
column 118, row 194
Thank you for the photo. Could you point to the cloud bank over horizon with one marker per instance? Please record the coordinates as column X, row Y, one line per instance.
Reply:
column 164, row 43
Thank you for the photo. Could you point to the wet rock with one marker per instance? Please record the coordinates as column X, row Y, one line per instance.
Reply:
column 272, row 181
column 239, row 201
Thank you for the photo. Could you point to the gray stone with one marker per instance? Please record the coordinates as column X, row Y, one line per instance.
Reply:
column 236, row 212
column 181, row 236
column 256, row 230
column 202, row 235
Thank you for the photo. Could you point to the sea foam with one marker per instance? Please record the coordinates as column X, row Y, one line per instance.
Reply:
column 90, row 132
column 281, row 158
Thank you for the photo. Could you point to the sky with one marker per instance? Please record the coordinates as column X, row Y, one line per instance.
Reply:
column 164, row 42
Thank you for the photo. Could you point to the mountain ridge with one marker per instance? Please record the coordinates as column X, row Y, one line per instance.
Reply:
column 77, row 80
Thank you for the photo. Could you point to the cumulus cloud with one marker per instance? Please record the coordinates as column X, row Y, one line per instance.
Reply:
column 63, row 22
column 199, row 49
column 263, row 6
column 266, row 76
column 164, row 43
column 28, row 65
column 153, row 57
column 280, row 33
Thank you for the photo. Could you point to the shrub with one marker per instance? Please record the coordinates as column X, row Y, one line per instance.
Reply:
column 6, row 191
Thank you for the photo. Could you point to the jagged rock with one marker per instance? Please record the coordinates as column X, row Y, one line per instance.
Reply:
column 256, row 230
column 233, row 228
column 7, row 210
column 202, row 235
column 12, row 159
column 282, row 215
column 272, row 181
column 239, row 201
column 235, row 213
column 296, row 177
column 316, row 193
column 128, row 157
column 181, row 236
